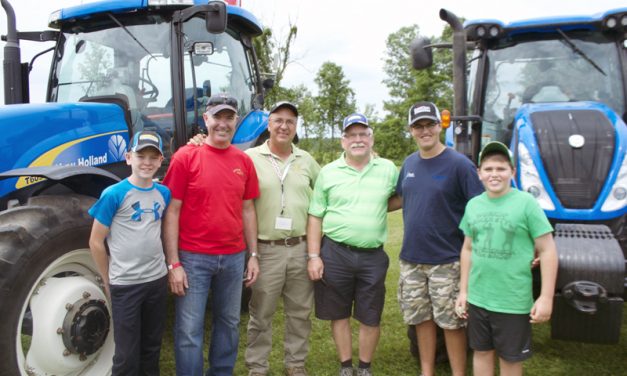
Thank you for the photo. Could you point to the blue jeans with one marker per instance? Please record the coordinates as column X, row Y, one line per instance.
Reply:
column 223, row 276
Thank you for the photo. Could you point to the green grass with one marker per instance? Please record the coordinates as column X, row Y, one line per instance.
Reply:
column 552, row 357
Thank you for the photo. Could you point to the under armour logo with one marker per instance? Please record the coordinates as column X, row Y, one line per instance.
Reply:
column 137, row 216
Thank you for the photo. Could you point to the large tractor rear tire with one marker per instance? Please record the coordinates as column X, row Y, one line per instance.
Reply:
column 54, row 315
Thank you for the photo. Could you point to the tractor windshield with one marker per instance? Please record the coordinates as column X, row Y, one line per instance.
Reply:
column 565, row 67
column 130, row 57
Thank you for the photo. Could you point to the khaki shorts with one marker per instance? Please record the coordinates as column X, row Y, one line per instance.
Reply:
column 428, row 292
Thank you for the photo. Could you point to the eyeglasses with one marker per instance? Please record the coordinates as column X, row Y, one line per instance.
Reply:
column 421, row 127
column 354, row 136
column 222, row 99
column 281, row 121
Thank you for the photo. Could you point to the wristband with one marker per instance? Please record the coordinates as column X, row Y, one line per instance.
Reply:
column 175, row 265
column 313, row 256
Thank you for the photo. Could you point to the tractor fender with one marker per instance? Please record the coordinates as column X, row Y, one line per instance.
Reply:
column 83, row 180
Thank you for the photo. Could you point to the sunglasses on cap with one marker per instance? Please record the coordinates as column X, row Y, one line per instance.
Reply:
column 222, row 99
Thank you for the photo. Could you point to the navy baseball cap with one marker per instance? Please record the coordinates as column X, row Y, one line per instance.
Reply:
column 355, row 118
column 423, row 110
column 284, row 104
column 145, row 139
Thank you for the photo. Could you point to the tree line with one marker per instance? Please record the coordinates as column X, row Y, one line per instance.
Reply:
column 321, row 113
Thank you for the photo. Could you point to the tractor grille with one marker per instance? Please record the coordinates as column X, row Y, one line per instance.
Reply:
column 577, row 175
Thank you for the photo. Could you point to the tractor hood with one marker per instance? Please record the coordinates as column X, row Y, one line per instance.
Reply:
column 75, row 134
column 578, row 149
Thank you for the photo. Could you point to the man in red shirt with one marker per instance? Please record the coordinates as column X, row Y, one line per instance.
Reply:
column 210, row 222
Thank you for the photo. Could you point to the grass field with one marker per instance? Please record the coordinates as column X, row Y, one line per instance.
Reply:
column 392, row 358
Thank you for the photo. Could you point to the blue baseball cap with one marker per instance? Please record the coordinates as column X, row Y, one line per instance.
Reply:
column 355, row 118
column 145, row 139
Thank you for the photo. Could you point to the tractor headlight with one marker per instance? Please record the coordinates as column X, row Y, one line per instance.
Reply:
column 530, row 179
column 617, row 198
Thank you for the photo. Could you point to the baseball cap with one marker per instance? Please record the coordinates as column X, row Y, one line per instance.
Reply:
column 423, row 110
column 284, row 104
column 219, row 102
column 145, row 139
column 355, row 118
column 496, row 147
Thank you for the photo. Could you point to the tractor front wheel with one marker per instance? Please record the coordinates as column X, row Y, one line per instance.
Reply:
column 55, row 315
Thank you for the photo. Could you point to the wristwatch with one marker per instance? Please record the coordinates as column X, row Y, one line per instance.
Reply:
column 253, row 254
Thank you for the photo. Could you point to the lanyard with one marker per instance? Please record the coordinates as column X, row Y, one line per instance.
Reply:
column 281, row 177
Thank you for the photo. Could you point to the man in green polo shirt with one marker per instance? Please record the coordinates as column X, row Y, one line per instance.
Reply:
column 349, row 207
column 286, row 178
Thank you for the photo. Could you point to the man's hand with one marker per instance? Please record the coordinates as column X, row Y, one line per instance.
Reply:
column 315, row 268
column 197, row 140
column 252, row 271
column 541, row 310
column 177, row 279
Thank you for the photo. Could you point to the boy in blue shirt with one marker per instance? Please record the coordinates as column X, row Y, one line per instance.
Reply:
column 128, row 216
column 502, row 228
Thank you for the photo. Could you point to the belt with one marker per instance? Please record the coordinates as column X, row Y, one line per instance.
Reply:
column 287, row 242
column 353, row 248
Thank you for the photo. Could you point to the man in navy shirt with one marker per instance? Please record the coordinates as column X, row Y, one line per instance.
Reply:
column 434, row 185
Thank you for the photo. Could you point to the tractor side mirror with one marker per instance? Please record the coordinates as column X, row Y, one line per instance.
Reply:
column 421, row 54
column 216, row 17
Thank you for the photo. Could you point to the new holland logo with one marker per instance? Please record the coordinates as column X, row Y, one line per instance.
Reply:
column 117, row 147
column 576, row 141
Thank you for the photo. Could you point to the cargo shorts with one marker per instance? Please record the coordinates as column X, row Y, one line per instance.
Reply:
column 428, row 292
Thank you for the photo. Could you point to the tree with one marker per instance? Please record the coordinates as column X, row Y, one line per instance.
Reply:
column 335, row 98
column 407, row 86
column 273, row 57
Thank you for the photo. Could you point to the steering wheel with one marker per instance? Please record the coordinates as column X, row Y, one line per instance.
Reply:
column 151, row 93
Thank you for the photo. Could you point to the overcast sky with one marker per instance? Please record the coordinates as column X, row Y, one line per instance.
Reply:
column 351, row 34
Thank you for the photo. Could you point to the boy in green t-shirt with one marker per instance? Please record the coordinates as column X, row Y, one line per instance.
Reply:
column 502, row 227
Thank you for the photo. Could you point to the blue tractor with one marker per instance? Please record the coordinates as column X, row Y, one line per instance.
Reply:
column 555, row 91
column 117, row 67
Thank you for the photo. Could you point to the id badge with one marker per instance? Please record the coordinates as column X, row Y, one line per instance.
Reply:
column 283, row 223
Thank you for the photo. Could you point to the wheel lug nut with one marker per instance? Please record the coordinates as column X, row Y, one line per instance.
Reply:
column 69, row 306
column 86, row 295
column 59, row 330
column 66, row 352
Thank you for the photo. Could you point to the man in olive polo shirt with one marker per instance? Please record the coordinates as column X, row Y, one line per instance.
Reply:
column 286, row 178
column 349, row 207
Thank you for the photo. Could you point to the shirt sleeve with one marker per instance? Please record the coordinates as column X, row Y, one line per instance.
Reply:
column 177, row 177
column 537, row 221
column 314, row 171
column 318, row 204
column 394, row 179
column 251, row 191
column 470, row 183
column 105, row 208
column 165, row 193
column 463, row 224
column 399, row 181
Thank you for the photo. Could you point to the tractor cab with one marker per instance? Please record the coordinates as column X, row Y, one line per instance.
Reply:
column 161, row 63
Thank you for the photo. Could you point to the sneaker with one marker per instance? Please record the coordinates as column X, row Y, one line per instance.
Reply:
column 296, row 371
column 347, row 371
column 364, row 372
